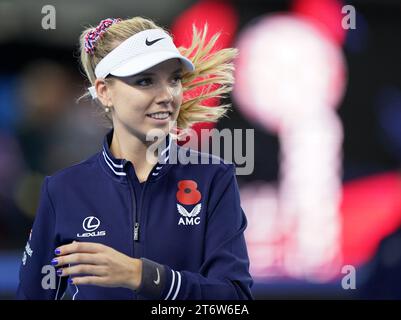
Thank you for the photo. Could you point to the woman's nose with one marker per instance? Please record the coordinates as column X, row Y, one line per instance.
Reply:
column 166, row 94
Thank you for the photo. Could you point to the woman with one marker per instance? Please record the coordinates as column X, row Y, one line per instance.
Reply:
column 129, row 223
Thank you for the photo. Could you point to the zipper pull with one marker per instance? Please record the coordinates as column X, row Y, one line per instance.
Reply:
column 136, row 231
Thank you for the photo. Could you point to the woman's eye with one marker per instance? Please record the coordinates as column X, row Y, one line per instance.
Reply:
column 177, row 79
column 144, row 82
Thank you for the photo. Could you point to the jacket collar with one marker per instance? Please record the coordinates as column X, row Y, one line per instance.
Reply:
column 118, row 167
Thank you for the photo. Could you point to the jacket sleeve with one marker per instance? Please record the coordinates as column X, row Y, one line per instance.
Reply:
column 224, row 273
column 37, row 277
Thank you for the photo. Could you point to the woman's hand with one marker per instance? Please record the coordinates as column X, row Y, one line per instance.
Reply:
column 101, row 265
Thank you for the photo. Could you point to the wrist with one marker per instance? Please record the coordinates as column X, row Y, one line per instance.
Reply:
column 136, row 274
column 153, row 279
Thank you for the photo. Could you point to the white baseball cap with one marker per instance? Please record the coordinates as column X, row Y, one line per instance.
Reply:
column 139, row 53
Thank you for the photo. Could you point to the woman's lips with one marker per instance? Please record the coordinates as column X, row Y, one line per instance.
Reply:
column 160, row 116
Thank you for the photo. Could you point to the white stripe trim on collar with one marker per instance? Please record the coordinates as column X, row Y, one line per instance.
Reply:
column 115, row 165
column 117, row 173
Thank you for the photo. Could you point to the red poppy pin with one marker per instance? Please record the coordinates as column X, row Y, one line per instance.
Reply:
column 188, row 193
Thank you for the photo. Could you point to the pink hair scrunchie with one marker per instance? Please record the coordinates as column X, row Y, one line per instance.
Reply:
column 93, row 36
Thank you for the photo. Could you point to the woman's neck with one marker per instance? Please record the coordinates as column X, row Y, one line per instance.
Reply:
column 127, row 146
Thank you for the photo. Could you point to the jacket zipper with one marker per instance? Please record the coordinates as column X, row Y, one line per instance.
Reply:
column 136, row 216
column 136, row 231
column 135, row 223
column 133, row 200
column 140, row 211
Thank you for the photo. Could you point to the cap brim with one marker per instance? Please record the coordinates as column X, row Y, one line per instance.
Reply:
column 143, row 62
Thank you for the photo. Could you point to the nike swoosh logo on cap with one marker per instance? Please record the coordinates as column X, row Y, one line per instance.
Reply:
column 157, row 281
column 149, row 43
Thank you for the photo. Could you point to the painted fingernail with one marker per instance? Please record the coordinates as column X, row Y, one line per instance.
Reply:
column 54, row 262
column 57, row 251
column 59, row 272
column 71, row 281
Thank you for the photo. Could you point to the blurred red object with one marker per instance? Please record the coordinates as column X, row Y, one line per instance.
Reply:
column 220, row 16
column 325, row 14
column 371, row 210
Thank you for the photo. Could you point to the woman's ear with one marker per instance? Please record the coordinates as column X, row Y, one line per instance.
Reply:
column 102, row 92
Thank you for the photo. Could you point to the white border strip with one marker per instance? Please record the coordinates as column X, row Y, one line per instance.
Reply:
column 178, row 286
column 172, row 285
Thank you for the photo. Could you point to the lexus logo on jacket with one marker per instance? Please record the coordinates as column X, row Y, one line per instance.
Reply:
column 91, row 224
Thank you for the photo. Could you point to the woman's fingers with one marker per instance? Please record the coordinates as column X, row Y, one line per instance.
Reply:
column 82, row 269
column 96, row 264
column 90, row 280
column 78, row 258
column 82, row 247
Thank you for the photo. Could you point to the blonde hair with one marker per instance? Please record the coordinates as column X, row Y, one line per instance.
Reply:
column 213, row 70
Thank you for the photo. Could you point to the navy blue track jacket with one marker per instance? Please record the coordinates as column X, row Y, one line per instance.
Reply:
column 185, row 223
